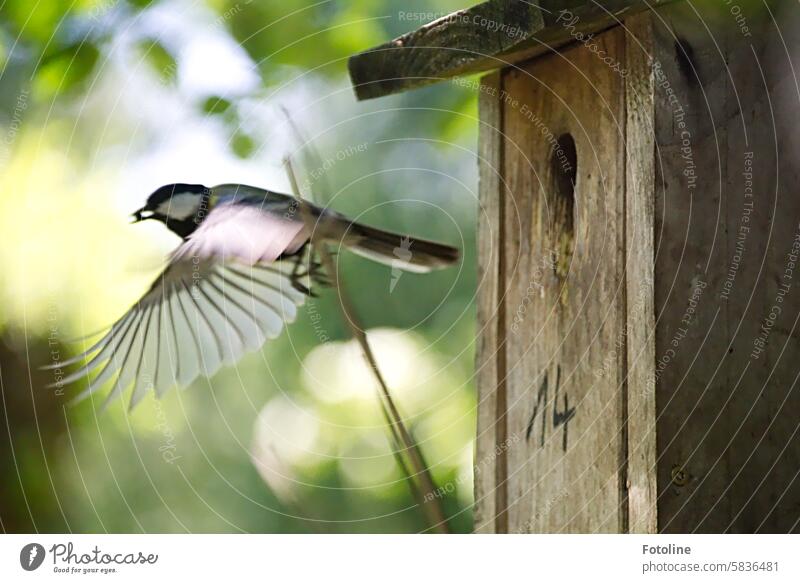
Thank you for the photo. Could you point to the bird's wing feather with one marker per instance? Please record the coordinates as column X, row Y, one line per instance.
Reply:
column 199, row 314
column 247, row 231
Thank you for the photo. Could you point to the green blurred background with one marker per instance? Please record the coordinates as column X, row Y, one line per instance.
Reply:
column 101, row 102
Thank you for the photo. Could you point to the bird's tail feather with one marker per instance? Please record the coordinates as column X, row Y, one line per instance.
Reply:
column 404, row 252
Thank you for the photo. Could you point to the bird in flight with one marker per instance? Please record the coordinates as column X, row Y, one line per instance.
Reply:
column 245, row 264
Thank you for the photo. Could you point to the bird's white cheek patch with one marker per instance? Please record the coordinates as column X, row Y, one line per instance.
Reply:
column 180, row 206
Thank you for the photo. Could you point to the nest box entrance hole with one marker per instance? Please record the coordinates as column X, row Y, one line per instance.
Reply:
column 561, row 203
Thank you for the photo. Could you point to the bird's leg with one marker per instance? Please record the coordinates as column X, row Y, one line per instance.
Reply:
column 296, row 275
column 317, row 270
column 314, row 271
column 317, row 273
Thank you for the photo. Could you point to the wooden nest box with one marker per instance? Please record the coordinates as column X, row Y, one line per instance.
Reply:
column 639, row 245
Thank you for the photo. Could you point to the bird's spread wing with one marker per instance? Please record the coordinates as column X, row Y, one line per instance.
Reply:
column 196, row 317
column 250, row 232
column 222, row 295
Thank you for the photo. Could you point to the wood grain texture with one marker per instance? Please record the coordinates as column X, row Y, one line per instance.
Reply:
column 640, row 414
column 487, row 36
column 489, row 364
column 764, row 452
column 727, row 431
column 670, row 319
column 690, row 259
column 564, row 310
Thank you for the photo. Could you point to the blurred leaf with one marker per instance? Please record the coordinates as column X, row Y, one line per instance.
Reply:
column 216, row 105
column 34, row 21
column 242, row 145
column 353, row 30
column 159, row 58
column 65, row 69
column 306, row 34
column 462, row 123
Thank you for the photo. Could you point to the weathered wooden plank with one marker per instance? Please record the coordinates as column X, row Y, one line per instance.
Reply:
column 481, row 38
column 743, row 295
column 691, row 337
column 728, row 447
column 490, row 443
column 566, row 295
column 760, row 491
column 764, row 452
column 640, row 414
column 748, row 287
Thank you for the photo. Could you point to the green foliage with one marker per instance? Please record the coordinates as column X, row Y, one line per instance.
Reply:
column 295, row 33
column 242, row 144
column 92, row 472
column 66, row 70
column 35, row 23
column 159, row 59
column 216, row 105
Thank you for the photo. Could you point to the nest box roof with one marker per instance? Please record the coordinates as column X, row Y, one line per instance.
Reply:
column 487, row 36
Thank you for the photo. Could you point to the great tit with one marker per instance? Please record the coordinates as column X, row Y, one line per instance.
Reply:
column 246, row 262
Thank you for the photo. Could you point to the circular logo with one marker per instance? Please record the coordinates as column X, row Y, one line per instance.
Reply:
column 31, row 556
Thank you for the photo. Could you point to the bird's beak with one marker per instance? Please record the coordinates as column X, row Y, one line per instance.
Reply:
column 140, row 215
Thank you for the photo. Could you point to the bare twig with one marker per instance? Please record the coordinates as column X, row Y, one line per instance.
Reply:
column 430, row 502
column 426, row 494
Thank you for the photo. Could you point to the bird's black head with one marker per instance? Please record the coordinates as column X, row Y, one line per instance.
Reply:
column 181, row 207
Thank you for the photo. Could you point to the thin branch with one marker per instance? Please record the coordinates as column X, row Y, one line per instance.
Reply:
column 427, row 494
